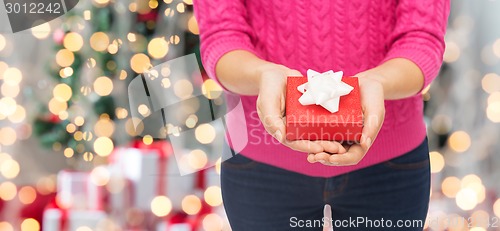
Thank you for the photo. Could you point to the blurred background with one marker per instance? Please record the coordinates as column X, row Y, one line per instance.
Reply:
column 70, row 158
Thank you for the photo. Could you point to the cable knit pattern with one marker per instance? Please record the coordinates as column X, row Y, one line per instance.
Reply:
column 347, row 35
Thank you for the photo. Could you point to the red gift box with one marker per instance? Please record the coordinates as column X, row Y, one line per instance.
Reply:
column 313, row 122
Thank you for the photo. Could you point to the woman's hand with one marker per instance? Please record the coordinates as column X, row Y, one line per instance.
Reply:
column 372, row 102
column 271, row 109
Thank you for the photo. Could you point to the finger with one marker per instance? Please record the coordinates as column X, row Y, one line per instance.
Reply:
column 310, row 158
column 331, row 147
column 351, row 157
column 271, row 116
column 293, row 73
column 328, row 146
column 322, row 157
column 373, row 116
column 303, row 146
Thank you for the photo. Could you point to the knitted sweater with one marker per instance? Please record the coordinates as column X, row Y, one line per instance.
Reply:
column 347, row 35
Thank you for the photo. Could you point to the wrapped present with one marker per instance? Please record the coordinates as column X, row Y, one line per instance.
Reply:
column 57, row 218
column 323, row 106
column 76, row 191
column 150, row 171
column 178, row 222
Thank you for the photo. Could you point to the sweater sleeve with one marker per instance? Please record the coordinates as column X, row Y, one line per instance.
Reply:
column 223, row 27
column 419, row 34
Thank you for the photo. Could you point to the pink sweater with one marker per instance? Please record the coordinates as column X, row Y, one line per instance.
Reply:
column 347, row 35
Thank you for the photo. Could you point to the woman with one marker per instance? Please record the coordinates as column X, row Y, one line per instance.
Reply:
column 395, row 47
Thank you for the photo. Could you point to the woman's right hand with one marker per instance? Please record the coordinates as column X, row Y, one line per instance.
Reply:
column 271, row 110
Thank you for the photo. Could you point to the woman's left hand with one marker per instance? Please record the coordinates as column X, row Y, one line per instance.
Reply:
column 372, row 103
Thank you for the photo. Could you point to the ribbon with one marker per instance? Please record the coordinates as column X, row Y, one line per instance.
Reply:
column 164, row 151
column 63, row 221
column 324, row 89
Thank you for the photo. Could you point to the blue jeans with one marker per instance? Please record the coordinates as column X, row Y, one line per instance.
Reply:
column 393, row 195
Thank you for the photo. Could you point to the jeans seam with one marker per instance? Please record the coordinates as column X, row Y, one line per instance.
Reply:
column 327, row 194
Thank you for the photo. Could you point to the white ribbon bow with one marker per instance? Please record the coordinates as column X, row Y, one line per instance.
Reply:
column 324, row 89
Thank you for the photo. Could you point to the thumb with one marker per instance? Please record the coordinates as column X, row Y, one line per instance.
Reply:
column 293, row 72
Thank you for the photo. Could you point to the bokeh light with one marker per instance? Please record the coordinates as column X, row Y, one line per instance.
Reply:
column 41, row 31
column 103, row 146
column 103, row 86
column 213, row 196
column 65, row 58
column 9, row 168
column 73, row 41
column 466, row 199
column 493, row 112
column 8, row 136
column 197, row 159
column 8, row 190
column 3, row 42
column 437, row 162
column 12, row 76
column 452, row 52
column 205, row 133
column 161, row 206
column 99, row 41
column 100, row 176
column 56, row 106
column 193, row 25
column 450, row 186
column 212, row 222
column 491, row 82
column 30, row 224
column 496, row 208
column 158, row 48
column 211, row 89
column 62, row 92
column 183, row 89
column 140, row 63
column 104, row 127
column 459, row 141
column 191, row 204
column 6, row 226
